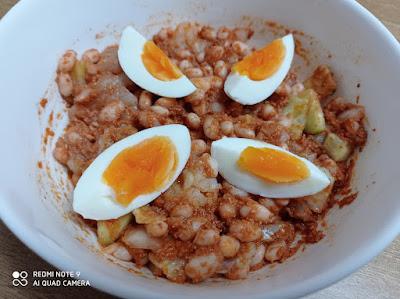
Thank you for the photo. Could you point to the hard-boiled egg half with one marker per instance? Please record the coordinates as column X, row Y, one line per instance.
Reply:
column 265, row 169
column 259, row 74
column 132, row 172
column 148, row 66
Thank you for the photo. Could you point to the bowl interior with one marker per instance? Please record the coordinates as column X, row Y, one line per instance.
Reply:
column 36, row 202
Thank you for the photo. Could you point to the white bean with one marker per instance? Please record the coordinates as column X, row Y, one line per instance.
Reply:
column 220, row 69
column 166, row 102
column 275, row 251
column 194, row 72
column 227, row 210
column 157, row 229
column 229, row 246
column 240, row 48
column 258, row 256
column 160, row 110
column 216, row 107
column 202, row 267
column 137, row 237
column 185, row 64
column 118, row 251
column 65, row 84
column 206, row 237
column 211, row 127
column 245, row 231
column 227, row 127
column 112, row 111
column 193, row 121
column 92, row 56
column 67, row 61
column 244, row 132
column 145, row 100
column 199, row 146
column 268, row 111
column 182, row 210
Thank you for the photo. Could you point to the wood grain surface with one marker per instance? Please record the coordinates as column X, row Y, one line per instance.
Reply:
column 379, row 279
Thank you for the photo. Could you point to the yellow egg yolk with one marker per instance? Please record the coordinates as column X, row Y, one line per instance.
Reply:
column 158, row 64
column 272, row 165
column 263, row 63
column 141, row 169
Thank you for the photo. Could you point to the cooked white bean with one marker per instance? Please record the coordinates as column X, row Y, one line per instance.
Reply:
column 67, row 61
column 200, row 57
column 203, row 83
column 65, row 85
column 193, row 121
column 275, row 251
column 160, row 110
column 185, row 64
column 258, row 256
column 242, row 34
column 211, row 167
column 182, row 210
column 208, row 33
column 217, row 82
column 199, row 146
column 240, row 48
column 202, row 267
column 245, row 231
column 216, row 107
column 196, row 97
column 166, row 102
column 255, row 211
column 145, row 100
column 118, row 251
column 220, row 69
column 92, row 56
column 223, row 33
column 183, row 53
column 234, row 191
column 137, row 237
column 112, row 111
column 157, row 229
column 206, row 237
column 84, row 96
column 227, row 210
column 297, row 88
column 193, row 72
column 229, row 246
column 244, row 132
column 211, row 127
column 268, row 111
column 227, row 127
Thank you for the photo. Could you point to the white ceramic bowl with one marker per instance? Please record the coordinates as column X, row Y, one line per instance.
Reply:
column 35, row 206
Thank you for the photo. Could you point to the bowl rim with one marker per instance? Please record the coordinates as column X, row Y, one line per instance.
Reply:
column 342, row 269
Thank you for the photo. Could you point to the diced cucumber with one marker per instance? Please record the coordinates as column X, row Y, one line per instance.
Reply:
column 110, row 230
column 296, row 110
column 78, row 72
column 315, row 122
column 337, row 148
column 146, row 215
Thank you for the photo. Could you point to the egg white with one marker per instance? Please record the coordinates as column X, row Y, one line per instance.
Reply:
column 130, row 58
column 243, row 90
column 227, row 151
column 93, row 199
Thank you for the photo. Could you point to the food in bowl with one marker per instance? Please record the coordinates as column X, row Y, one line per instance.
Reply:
column 259, row 179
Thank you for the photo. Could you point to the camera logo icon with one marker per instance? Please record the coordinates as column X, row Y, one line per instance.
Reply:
column 20, row 278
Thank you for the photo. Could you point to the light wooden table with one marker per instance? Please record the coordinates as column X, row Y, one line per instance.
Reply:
column 380, row 279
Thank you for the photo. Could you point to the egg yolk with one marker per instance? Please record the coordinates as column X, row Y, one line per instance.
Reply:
column 263, row 63
column 141, row 169
column 158, row 64
column 272, row 165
